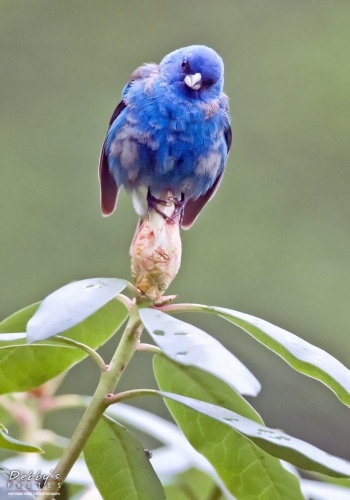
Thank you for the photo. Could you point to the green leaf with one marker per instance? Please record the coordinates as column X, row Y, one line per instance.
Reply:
column 118, row 464
column 276, row 443
column 301, row 355
column 333, row 480
column 201, row 485
column 23, row 366
column 9, row 443
column 5, row 416
column 323, row 491
column 246, row 470
column 17, row 322
column 190, row 346
column 5, row 337
column 53, row 450
column 70, row 305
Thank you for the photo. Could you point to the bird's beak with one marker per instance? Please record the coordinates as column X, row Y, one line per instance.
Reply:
column 194, row 81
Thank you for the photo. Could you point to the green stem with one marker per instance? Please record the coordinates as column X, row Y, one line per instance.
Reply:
column 128, row 303
column 93, row 354
column 174, row 308
column 133, row 393
column 100, row 401
column 149, row 348
column 135, row 292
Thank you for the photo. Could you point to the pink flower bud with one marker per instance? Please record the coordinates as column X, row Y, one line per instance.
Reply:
column 156, row 250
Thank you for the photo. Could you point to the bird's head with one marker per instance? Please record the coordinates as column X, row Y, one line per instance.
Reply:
column 194, row 71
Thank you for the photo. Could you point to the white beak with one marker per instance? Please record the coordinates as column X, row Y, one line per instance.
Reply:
column 194, row 81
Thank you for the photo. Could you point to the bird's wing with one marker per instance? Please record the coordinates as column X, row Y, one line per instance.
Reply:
column 193, row 207
column 108, row 186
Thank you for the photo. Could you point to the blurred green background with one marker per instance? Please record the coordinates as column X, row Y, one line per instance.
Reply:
column 275, row 241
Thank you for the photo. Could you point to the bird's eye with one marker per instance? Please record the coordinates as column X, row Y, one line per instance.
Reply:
column 184, row 63
column 208, row 82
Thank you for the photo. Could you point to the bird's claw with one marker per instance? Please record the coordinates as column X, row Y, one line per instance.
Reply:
column 179, row 205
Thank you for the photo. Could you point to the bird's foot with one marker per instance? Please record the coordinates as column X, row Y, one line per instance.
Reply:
column 179, row 205
column 179, row 208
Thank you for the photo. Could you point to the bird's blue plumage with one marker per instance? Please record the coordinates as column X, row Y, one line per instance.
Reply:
column 171, row 131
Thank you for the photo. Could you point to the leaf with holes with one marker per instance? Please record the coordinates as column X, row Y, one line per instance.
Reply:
column 302, row 356
column 23, row 366
column 70, row 305
column 245, row 469
column 190, row 346
column 275, row 442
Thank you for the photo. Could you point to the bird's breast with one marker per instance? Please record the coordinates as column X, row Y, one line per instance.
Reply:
column 165, row 142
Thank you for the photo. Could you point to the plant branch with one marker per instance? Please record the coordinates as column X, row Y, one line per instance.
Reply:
column 128, row 303
column 93, row 354
column 108, row 381
column 174, row 308
column 133, row 393
column 133, row 290
column 149, row 348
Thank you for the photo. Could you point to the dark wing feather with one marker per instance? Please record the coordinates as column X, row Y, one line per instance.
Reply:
column 193, row 207
column 228, row 138
column 108, row 186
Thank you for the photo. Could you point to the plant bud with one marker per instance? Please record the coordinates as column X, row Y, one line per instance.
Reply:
column 156, row 250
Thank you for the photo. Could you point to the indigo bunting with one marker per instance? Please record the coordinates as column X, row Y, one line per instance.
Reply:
column 170, row 132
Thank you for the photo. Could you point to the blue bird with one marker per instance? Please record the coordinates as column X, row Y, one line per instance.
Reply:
column 170, row 132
